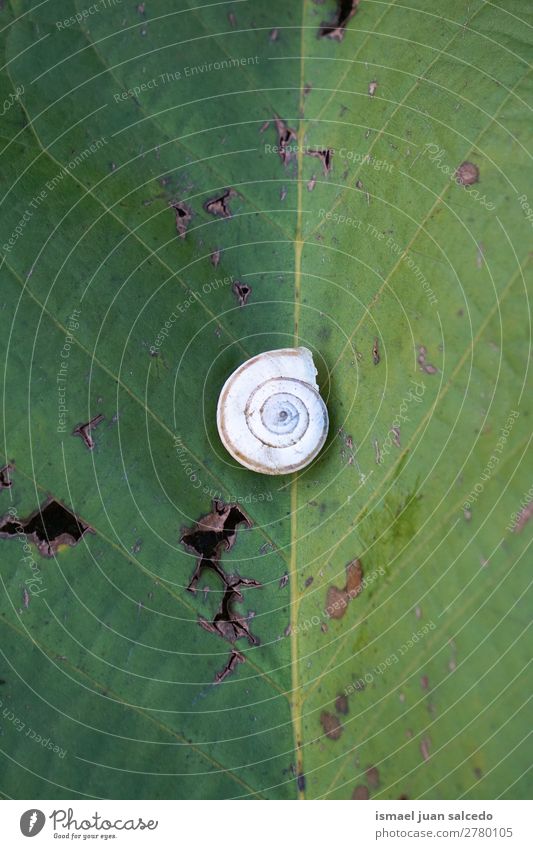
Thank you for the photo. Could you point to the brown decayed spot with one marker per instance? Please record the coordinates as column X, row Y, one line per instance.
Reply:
column 372, row 87
column 523, row 517
column 235, row 657
column 337, row 599
column 84, row 430
column 219, row 205
column 331, row 725
column 360, row 792
column 341, row 704
column 467, row 174
column 375, row 352
column 183, row 217
column 354, row 578
column 372, row 776
column 336, row 602
column 424, row 748
column 50, row 526
column 209, row 538
column 426, row 367
column 215, row 257
column 285, row 137
column 242, row 291
column 5, row 476
column 346, row 9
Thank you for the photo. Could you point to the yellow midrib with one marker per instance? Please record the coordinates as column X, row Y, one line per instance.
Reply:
column 295, row 700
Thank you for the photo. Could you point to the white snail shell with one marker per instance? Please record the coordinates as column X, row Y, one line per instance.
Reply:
column 270, row 416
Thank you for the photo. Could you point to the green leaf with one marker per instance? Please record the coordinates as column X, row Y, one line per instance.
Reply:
column 408, row 287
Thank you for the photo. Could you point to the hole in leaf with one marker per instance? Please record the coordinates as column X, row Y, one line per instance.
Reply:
column 50, row 526
column 346, row 9
column 5, row 477
column 242, row 291
column 183, row 217
column 220, row 205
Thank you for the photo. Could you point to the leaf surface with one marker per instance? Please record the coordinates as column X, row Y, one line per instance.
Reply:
column 410, row 290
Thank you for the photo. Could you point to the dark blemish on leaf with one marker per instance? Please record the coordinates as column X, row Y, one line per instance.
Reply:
column 85, row 430
column 266, row 547
column 285, row 137
column 467, row 174
column 359, row 184
column 136, row 547
column 227, row 622
column 307, row 89
column 360, row 792
column 523, row 518
column 215, row 258
column 234, row 658
column 324, row 627
column 375, row 352
column 428, row 368
column 301, row 782
column 331, row 725
column 5, row 476
column 141, row 8
column 424, row 748
column 183, row 217
column 372, row 86
column 50, row 526
column 337, row 599
column 242, row 291
column 336, row 602
column 214, row 533
column 325, row 157
column 219, row 206
column 341, row 704
column 372, row 776
column 354, row 578
column 346, row 9
column 283, row 581
column 308, row 581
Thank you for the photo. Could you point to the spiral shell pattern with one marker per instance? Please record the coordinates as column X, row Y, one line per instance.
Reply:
column 270, row 416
